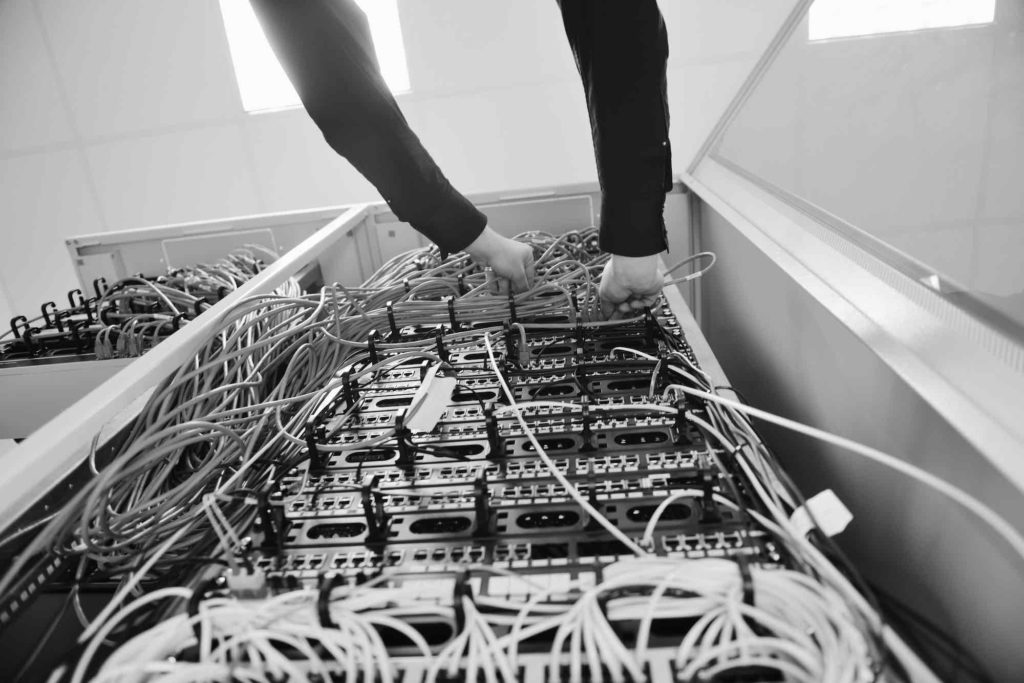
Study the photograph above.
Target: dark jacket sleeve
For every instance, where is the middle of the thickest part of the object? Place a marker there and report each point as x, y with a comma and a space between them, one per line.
326, 49
621, 50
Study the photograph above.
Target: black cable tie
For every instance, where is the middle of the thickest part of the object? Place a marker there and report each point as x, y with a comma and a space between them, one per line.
709, 511
462, 284
328, 583
511, 343
317, 458
650, 326
586, 432
222, 292
451, 314
481, 503
493, 434
405, 282
462, 590
349, 389
395, 333
681, 423
442, 352
196, 307
406, 457
373, 510
176, 321
371, 346
748, 580
512, 306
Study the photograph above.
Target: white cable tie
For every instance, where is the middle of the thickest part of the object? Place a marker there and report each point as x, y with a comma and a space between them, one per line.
827, 510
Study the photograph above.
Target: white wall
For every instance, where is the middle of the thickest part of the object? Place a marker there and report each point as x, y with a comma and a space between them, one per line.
916, 137
119, 114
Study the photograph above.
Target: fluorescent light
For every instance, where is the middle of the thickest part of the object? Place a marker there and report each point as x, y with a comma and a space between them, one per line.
844, 18
261, 80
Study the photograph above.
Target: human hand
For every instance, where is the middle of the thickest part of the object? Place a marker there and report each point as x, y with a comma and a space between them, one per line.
629, 284
510, 260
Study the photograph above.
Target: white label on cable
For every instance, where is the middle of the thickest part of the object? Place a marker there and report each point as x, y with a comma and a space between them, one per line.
828, 511
430, 401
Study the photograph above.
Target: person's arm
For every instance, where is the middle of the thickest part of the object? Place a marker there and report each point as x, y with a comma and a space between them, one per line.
326, 49
621, 50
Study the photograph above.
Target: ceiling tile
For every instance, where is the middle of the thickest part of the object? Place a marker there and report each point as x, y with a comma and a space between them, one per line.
137, 65
183, 176
32, 114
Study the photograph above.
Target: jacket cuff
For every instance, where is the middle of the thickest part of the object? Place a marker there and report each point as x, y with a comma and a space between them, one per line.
634, 226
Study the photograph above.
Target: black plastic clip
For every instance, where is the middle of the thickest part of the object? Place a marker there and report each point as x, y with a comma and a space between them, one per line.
328, 582
403, 437
395, 332
46, 309
512, 307
371, 346
497, 444
99, 285
317, 459
482, 506
16, 322
748, 581
373, 510
462, 590
88, 306
442, 352
452, 320
75, 298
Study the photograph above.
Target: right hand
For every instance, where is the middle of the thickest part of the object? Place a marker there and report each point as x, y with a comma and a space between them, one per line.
629, 284
509, 259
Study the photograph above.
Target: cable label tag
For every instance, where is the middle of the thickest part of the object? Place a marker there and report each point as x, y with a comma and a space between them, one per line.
430, 401
828, 511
